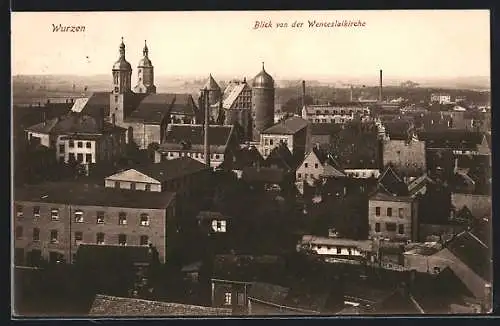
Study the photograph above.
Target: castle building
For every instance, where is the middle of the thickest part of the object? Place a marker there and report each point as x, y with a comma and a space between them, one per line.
214, 100
262, 103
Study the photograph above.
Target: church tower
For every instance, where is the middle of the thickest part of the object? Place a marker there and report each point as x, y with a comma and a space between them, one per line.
145, 74
122, 73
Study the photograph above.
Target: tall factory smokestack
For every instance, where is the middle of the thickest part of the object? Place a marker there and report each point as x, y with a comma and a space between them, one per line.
380, 87
303, 96
207, 124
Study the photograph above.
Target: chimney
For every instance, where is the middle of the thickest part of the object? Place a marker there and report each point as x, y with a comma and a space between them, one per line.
380, 87
113, 119
455, 168
44, 116
207, 125
303, 95
351, 93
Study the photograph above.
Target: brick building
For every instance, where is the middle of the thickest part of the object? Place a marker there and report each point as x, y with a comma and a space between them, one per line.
52, 219
237, 106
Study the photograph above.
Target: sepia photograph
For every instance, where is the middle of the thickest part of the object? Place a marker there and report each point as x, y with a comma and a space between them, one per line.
251, 164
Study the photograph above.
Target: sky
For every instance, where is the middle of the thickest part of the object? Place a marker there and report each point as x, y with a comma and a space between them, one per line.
431, 43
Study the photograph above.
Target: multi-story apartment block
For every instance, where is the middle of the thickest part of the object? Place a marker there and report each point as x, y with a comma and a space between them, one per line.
441, 98
335, 113
52, 219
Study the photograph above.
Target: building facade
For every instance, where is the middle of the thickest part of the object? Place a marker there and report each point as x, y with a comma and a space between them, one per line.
52, 220
393, 217
337, 113
293, 132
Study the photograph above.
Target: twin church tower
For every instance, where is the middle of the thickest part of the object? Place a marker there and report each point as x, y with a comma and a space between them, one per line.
122, 73
260, 112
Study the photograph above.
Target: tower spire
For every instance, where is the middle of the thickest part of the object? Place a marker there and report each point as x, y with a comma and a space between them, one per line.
122, 49
145, 50
263, 65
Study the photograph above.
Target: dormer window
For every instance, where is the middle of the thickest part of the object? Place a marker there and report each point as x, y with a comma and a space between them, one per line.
219, 226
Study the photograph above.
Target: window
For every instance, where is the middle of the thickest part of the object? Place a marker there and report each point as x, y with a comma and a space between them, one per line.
19, 232
147, 188
144, 241
36, 234
270, 142
377, 227
339, 251
401, 213
61, 148
227, 298
100, 238
100, 217
79, 157
217, 156
132, 185
54, 214
144, 219
79, 144
377, 211
401, 229
122, 218
170, 154
19, 211
117, 184
78, 216
88, 144
122, 239
71, 144
36, 211
53, 236
78, 237
315, 165
390, 227
389, 211
299, 175
219, 226
88, 158
71, 157
305, 165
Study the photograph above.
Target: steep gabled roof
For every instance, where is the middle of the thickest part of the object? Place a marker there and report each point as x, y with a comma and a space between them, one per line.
184, 104
282, 157
94, 104
152, 108
472, 252
194, 134
390, 182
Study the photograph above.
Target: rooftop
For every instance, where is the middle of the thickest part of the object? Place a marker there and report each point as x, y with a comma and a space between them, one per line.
75, 193
194, 134
288, 126
168, 169
108, 306
472, 252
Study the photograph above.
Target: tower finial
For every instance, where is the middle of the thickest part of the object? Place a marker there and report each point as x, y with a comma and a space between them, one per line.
262, 65
145, 50
122, 39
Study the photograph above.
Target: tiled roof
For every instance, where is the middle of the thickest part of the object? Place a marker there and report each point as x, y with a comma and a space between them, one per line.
74, 123
172, 169
75, 193
288, 126
107, 306
456, 139
152, 108
211, 84
472, 252
418, 183
398, 129
247, 156
184, 104
392, 183
79, 104
96, 101
194, 134
44, 127
231, 93
378, 195
282, 158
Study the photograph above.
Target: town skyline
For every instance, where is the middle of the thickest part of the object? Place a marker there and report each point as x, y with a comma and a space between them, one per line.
429, 40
